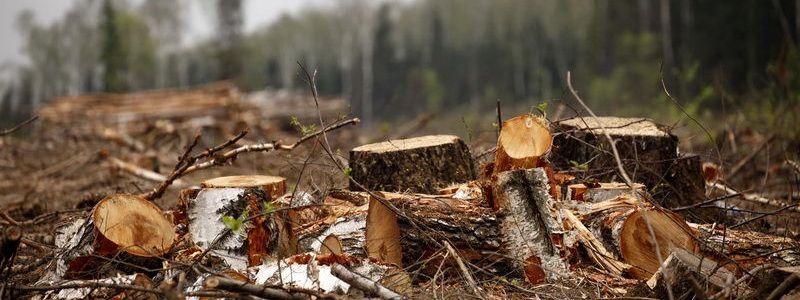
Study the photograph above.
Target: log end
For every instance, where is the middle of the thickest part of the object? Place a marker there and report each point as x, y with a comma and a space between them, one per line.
638, 247
134, 225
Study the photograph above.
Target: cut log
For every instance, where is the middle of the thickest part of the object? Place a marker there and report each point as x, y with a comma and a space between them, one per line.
473, 231
128, 228
523, 140
225, 203
624, 226
681, 267
646, 149
531, 227
422, 164
749, 249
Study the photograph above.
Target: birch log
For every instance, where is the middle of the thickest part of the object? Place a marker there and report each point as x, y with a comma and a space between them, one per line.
531, 227
232, 200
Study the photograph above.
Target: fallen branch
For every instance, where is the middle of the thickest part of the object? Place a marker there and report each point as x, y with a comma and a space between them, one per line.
364, 284
180, 168
18, 126
749, 157
139, 171
470, 280
751, 197
266, 147
236, 286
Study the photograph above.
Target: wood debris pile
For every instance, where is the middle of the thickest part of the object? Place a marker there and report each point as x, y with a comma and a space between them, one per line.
416, 211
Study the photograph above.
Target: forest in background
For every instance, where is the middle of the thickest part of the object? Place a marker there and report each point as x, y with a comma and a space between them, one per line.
395, 60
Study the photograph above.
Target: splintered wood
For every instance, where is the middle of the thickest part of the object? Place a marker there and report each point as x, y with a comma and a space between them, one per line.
423, 164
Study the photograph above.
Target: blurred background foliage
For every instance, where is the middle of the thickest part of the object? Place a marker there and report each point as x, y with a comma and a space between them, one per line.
732, 60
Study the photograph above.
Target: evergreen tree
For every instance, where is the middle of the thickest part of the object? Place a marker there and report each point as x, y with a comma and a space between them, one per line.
112, 57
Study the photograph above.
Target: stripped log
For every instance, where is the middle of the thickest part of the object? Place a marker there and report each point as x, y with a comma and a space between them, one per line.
637, 233
422, 164
124, 227
522, 141
473, 231
217, 215
531, 227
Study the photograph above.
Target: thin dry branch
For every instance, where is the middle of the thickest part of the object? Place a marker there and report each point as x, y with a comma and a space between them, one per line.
18, 126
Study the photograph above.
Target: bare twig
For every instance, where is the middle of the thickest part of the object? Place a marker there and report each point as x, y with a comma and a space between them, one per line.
464, 270
183, 163
750, 197
18, 126
749, 157
266, 147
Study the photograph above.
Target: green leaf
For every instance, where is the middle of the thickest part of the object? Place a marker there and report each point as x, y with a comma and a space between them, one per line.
347, 171
232, 224
269, 207
542, 107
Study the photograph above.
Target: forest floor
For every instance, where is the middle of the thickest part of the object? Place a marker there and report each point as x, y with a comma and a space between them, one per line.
52, 174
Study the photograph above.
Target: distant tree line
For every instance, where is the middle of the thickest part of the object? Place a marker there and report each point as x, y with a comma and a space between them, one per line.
397, 59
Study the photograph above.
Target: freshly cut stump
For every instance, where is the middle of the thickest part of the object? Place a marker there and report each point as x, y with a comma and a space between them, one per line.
622, 225
128, 228
646, 149
531, 226
422, 164
224, 203
131, 224
523, 141
473, 231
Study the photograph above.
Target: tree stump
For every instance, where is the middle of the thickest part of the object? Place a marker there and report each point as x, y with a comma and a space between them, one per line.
473, 231
126, 227
225, 203
422, 164
622, 225
646, 149
531, 227
523, 140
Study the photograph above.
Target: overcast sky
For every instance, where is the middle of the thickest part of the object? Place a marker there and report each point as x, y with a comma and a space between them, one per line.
199, 22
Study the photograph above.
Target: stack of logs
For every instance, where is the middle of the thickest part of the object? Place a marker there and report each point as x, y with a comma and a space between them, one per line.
412, 200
